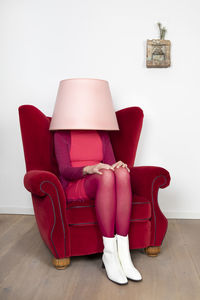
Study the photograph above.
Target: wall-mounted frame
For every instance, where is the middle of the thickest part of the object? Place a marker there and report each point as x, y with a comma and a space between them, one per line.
158, 53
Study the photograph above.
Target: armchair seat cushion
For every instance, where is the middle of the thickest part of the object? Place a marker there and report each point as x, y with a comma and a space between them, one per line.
141, 209
82, 212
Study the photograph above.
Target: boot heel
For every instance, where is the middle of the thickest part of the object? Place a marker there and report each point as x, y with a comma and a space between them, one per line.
103, 265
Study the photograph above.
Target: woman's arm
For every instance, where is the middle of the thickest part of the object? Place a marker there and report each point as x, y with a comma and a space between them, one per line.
63, 158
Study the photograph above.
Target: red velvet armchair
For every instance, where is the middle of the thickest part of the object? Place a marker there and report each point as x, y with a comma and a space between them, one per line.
71, 229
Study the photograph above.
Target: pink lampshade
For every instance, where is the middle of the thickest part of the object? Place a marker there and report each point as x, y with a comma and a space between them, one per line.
84, 104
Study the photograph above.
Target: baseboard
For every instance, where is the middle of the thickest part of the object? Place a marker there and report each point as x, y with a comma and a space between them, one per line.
16, 210
167, 214
182, 214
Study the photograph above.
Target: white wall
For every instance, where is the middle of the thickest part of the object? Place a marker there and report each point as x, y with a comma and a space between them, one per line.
45, 41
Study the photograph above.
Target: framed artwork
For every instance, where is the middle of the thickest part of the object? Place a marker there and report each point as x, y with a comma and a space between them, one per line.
158, 53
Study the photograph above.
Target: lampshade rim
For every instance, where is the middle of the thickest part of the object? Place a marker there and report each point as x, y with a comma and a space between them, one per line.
83, 79
98, 129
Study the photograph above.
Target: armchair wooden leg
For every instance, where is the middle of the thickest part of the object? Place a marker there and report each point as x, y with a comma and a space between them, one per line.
152, 251
61, 263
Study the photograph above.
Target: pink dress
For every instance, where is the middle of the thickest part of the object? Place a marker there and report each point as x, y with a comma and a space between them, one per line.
75, 149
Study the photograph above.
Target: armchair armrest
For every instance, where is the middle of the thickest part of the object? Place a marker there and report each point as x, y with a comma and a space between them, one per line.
49, 204
144, 179
34, 181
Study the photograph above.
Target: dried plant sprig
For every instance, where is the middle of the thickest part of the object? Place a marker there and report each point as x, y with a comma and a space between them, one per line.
162, 31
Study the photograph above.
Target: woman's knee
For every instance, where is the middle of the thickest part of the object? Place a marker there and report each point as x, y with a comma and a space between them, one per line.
107, 177
122, 174
95, 181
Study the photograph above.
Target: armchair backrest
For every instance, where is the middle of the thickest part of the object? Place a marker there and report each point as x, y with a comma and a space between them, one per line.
38, 140
125, 140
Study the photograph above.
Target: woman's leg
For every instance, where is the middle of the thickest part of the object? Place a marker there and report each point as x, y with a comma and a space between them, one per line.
102, 188
124, 200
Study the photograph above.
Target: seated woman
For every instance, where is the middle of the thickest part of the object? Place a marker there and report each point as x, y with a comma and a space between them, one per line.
88, 170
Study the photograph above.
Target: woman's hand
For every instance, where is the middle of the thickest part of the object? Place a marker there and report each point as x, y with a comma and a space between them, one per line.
120, 164
95, 168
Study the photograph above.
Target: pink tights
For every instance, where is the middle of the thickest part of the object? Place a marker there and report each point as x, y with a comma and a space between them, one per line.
113, 200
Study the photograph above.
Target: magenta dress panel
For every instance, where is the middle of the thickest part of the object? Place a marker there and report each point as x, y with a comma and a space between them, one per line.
75, 149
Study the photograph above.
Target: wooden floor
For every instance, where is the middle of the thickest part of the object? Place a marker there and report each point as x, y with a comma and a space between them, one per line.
26, 271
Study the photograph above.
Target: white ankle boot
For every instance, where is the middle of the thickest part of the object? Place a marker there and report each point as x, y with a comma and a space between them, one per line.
110, 261
125, 258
